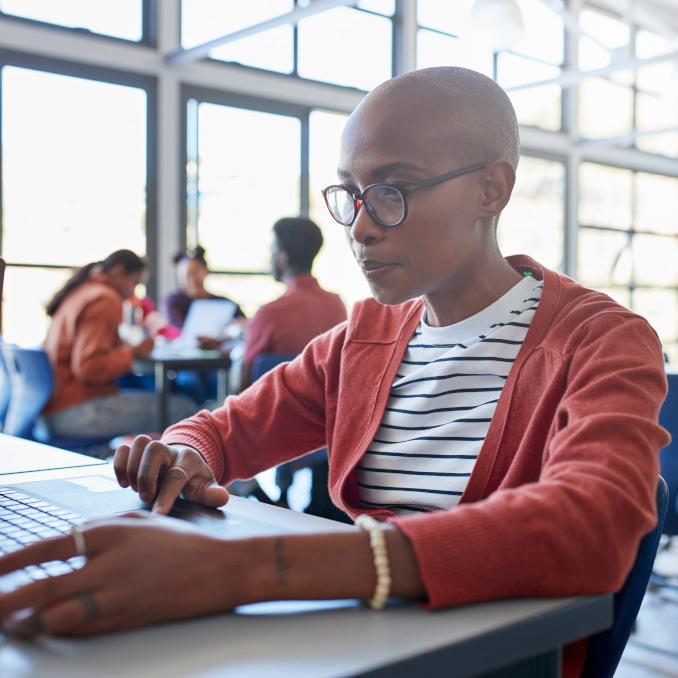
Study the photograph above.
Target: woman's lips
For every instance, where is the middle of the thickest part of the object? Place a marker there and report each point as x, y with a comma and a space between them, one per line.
376, 269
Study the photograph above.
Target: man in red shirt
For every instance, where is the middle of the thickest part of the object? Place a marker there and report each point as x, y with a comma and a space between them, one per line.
306, 310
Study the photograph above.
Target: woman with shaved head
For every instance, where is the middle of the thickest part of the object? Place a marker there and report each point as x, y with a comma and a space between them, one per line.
491, 424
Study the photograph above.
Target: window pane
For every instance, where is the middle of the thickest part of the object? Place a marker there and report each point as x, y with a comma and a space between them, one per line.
603, 258
656, 203
242, 190
537, 106
655, 258
605, 196
657, 107
205, 20
74, 168
385, 7
434, 49
345, 47
26, 293
532, 222
544, 33
605, 108
119, 18
335, 266
450, 17
250, 291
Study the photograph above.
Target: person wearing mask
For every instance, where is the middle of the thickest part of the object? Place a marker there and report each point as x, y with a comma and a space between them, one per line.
191, 271
306, 310
87, 355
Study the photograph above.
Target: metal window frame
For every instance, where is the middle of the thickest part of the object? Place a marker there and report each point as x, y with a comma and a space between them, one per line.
113, 77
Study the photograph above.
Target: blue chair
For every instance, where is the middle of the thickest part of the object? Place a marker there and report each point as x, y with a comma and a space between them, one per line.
5, 391
32, 381
668, 457
605, 649
267, 361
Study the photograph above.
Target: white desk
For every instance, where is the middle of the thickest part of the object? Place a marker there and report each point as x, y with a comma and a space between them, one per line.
335, 638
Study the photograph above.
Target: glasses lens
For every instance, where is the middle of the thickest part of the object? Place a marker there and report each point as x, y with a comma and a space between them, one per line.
385, 204
341, 205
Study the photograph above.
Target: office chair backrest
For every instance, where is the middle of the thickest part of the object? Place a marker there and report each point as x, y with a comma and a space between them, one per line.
267, 361
5, 389
668, 457
605, 649
31, 382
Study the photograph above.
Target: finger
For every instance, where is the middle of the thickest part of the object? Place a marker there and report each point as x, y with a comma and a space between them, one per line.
120, 465
208, 493
175, 481
55, 548
65, 617
46, 592
134, 459
154, 458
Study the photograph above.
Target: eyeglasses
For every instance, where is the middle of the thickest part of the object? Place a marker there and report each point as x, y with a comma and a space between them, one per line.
387, 204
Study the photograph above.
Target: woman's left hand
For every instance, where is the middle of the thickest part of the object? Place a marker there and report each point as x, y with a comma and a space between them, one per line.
140, 569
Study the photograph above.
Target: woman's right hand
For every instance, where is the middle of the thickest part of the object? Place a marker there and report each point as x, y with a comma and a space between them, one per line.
144, 349
160, 473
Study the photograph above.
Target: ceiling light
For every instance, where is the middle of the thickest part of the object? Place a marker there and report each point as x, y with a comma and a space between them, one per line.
498, 23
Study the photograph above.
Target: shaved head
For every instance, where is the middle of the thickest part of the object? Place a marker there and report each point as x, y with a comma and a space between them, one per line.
448, 113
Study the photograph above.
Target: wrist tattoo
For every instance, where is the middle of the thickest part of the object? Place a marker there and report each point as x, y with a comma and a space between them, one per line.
282, 565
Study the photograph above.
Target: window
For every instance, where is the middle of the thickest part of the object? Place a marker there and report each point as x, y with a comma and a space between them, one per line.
116, 18
348, 46
345, 46
628, 243
73, 183
447, 37
335, 266
245, 174
205, 20
533, 221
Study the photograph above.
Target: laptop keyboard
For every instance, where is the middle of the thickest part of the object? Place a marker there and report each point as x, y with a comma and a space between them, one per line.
25, 519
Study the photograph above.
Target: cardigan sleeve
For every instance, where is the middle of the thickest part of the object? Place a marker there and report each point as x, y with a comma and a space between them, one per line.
280, 417
575, 530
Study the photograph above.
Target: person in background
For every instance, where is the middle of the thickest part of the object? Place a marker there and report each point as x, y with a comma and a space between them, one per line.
191, 270
87, 355
306, 310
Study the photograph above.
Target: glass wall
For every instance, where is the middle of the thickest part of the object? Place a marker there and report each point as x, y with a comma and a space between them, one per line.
628, 243
245, 174
73, 184
448, 36
348, 46
116, 18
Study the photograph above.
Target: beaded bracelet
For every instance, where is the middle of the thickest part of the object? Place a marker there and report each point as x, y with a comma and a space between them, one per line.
378, 543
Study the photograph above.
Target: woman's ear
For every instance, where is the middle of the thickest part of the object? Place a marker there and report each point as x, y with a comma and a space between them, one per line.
500, 178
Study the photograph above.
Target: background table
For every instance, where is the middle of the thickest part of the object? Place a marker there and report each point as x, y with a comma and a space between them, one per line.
161, 363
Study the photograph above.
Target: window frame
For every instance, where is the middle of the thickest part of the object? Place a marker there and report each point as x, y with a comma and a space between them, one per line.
114, 77
247, 103
148, 26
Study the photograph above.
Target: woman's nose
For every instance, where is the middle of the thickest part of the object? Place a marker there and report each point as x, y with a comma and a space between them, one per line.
364, 229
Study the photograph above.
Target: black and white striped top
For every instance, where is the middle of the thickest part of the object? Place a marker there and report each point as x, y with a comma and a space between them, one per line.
441, 404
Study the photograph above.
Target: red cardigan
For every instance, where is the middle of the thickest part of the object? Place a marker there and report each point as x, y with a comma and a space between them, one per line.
564, 485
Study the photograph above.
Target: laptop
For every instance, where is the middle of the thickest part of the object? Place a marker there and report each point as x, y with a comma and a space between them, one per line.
35, 510
206, 318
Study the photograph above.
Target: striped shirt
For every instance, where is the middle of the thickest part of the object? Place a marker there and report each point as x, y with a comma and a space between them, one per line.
441, 405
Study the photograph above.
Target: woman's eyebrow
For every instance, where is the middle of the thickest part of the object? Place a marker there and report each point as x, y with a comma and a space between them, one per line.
382, 170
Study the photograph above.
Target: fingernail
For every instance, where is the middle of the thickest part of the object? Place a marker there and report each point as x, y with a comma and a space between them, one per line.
25, 627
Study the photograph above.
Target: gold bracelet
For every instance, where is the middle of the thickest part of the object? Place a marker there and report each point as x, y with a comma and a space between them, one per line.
378, 543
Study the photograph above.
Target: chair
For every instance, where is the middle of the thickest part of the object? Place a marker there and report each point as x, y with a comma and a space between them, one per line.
605, 649
5, 391
267, 361
668, 457
31, 382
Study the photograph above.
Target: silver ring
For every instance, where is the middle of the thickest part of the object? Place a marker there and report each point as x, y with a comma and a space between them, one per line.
79, 539
89, 606
177, 468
